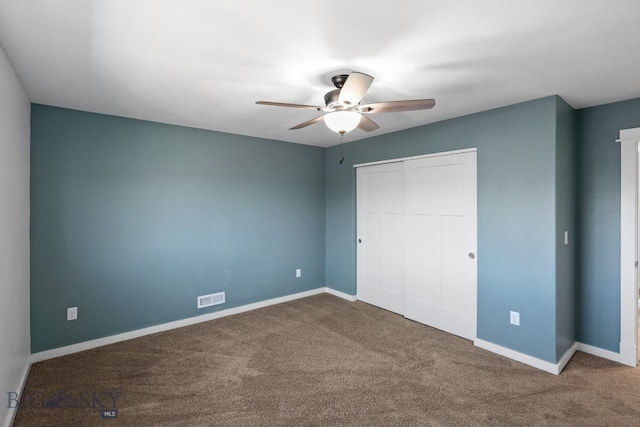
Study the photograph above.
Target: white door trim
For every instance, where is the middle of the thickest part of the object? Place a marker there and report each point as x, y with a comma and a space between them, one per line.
629, 144
422, 156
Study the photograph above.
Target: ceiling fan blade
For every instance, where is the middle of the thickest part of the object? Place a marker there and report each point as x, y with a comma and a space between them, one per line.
397, 106
354, 88
307, 123
284, 104
367, 125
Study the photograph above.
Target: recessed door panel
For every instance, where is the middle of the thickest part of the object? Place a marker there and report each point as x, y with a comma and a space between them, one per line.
438, 185
373, 250
424, 271
453, 259
392, 256
381, 187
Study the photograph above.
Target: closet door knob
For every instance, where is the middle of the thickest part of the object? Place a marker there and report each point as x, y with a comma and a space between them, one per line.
472, 255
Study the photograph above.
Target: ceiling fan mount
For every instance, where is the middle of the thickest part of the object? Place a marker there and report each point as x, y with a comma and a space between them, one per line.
338, 81
346, 98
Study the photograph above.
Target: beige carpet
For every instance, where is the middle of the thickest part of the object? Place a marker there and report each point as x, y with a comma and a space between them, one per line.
320, 361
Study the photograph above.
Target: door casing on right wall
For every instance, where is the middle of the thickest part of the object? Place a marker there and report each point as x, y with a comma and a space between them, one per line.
629, 185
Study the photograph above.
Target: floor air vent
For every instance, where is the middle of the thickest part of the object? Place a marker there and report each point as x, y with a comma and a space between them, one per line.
211, 299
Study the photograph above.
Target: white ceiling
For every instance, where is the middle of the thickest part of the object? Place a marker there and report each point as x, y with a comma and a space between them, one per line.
204, 63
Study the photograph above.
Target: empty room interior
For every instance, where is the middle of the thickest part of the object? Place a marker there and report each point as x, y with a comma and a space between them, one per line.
191, 235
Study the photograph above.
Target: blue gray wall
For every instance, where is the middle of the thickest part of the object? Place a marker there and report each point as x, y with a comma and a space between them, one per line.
132, 220
138, 218
598, 274
517, 237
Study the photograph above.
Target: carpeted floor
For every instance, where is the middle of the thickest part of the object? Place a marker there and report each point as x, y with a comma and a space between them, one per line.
320, 361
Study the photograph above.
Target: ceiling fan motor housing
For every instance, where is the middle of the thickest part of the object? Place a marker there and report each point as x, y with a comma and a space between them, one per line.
331, 99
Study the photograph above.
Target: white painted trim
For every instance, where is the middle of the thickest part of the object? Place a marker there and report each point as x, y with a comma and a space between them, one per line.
629, 142
11, 415
494, 348
422, 156
629, 353
566, 357
599, 352
87, 345
342, 295
552, 368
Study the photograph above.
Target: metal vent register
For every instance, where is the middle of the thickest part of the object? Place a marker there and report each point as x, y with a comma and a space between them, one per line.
211, 299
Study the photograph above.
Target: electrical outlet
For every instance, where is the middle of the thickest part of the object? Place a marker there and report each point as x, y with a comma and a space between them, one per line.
72, 313
514, 318
298, 272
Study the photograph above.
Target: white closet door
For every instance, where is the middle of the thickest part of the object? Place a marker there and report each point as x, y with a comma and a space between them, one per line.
380, 228
440, 242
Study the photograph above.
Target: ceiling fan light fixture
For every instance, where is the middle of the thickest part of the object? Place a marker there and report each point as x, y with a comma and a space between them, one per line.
342, 121
343, 105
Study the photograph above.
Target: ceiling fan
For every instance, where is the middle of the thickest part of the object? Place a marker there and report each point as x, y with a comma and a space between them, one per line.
342, 105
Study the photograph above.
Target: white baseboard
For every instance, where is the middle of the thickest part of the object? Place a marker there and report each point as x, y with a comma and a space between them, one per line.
342, 295
87, 345
552, 368
11, 412
566, 357
547, 366
597, 351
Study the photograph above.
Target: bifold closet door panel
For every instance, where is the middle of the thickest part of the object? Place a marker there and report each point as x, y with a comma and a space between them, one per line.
380, 233
440, 242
